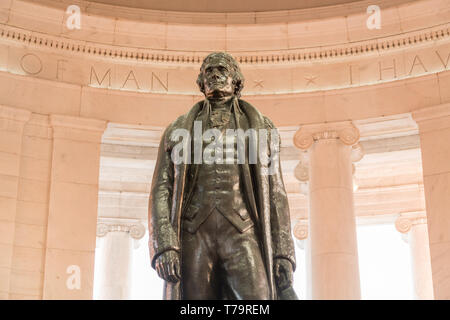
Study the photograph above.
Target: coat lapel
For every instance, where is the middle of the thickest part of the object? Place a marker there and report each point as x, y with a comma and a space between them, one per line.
243, 123
173, 291
256, 121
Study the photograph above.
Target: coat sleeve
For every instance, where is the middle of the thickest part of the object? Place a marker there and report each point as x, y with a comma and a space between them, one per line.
162, 236
282, 242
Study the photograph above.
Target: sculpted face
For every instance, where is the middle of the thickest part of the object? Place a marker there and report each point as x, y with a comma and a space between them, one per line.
218, 79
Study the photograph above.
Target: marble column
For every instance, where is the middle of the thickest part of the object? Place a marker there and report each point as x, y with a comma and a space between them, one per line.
302, 242
434, 131
334, 255
415, 228
117, 237
72, 219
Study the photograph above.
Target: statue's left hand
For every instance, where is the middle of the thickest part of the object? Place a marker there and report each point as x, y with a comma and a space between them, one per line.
283, 272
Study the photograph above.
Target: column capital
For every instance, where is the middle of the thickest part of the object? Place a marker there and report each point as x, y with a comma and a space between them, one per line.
301, 171
430, 113
77, 123
403, 224
301, 229
308, 134
77, 128
133, 227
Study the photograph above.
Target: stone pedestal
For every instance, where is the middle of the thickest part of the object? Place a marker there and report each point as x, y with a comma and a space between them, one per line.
434, 130
334, 256
117, 241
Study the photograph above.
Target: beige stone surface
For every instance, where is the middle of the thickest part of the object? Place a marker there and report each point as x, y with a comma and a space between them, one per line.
93, 28
328, 173
444, 83
32, 213
434, 134
6, 255
72, 216
35, 169
229, 7
254, 37
28, 259
415, 15
16, 296
9, 185
437, 188
335, 276
33, 190
317, 32
6, 232
26, 282
71, 227
115, 106
37, 147
29, 235
421, 261
440, 255
56, 275
140, 34
4, 279
390, 24
70, 163
10, 142
32, 94
8, 211
332, 234
26, 14
197, 38
436, 151
4, 10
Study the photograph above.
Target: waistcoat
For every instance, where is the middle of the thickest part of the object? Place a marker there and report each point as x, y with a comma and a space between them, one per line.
219, 185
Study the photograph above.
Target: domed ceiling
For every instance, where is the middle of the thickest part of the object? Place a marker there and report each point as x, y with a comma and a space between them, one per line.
224, 5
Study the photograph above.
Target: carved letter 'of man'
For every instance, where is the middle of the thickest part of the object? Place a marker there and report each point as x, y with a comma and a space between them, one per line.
219, 219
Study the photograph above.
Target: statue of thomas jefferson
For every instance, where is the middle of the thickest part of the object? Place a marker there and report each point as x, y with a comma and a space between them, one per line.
220, 229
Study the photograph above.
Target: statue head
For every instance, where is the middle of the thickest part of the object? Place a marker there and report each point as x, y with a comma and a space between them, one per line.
220, 76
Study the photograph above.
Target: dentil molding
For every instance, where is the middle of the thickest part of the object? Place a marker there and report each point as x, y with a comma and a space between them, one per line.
404, 41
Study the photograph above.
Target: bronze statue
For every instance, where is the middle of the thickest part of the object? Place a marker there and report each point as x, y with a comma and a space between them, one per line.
220, 229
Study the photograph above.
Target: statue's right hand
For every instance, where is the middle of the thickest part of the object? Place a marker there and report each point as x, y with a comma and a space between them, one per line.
168, 266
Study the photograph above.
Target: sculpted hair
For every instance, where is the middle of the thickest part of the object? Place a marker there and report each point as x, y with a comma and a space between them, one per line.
238, 78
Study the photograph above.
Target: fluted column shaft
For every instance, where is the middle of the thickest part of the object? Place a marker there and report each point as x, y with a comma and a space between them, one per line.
334, 256
434, 131
117, 258
417, 231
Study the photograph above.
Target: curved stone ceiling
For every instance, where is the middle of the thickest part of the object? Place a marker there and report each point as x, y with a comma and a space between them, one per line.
223, 6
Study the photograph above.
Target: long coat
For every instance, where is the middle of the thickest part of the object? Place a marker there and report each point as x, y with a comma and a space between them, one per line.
266, 197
